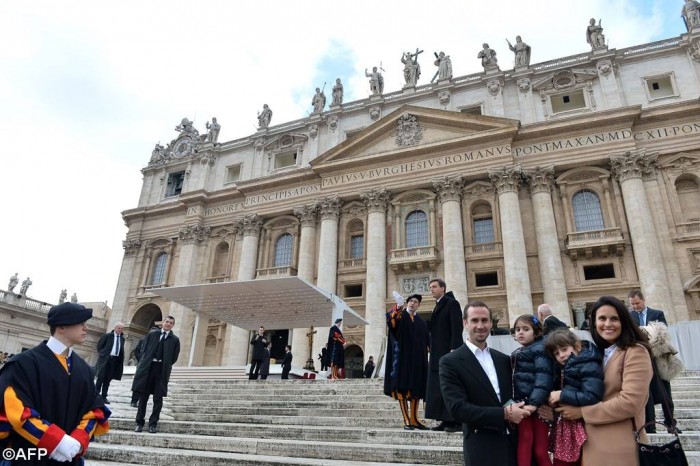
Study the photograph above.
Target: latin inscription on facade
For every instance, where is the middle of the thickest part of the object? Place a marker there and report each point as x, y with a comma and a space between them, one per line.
222, 209
281, 195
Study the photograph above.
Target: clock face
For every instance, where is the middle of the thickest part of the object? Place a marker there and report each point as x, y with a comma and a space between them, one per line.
183, 147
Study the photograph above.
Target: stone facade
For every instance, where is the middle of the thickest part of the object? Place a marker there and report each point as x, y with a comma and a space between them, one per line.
557, 182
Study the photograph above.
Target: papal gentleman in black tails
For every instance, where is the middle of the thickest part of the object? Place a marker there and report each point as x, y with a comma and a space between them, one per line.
110, 360
406, 370
445, 335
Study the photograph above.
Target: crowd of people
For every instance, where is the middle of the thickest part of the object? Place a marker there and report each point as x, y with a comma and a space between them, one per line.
556, 400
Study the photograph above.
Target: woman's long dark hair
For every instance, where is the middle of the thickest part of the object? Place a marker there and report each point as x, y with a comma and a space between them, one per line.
630, 333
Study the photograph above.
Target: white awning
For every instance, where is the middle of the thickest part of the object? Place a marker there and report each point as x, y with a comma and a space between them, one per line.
276, 303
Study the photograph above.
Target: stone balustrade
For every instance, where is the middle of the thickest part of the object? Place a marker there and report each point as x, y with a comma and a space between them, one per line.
484, 248
286, 271
688, 228
419, 258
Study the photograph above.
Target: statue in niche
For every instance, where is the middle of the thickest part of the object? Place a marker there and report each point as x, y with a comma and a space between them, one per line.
376, 81
594, 34
337, 93
14, 280
488, 58
411, 68
444, 64
25, 286
62, 296
74, 298
691, 14
264, 117
214, 128
318, 101
522, 52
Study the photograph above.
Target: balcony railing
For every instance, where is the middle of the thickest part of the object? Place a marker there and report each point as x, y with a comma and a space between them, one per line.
420, 258
484, 248
595, 243
688, 228
42, 307
351, 263
219, 279
286, 271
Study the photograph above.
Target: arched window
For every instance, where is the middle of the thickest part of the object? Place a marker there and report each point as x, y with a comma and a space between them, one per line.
587, 212
219, 267
483, 224
417, 229
283, 251
159, 269
688, 194
356, 239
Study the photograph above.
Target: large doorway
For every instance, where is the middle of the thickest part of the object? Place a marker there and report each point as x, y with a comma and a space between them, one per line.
354, 362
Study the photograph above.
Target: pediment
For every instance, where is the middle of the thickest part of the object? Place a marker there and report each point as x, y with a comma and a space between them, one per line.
412, 129
681, 161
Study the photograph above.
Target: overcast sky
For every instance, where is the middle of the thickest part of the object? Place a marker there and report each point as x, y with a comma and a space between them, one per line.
87, 88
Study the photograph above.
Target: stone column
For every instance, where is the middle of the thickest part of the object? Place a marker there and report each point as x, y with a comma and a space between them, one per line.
506, 181
250, 225
190, 237
329, 212
629, 168
125, 285
305, 270
376, 201
541, 180
449, 191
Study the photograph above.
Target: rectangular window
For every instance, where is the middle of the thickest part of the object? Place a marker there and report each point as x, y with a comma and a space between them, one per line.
486, 279
175, 182
352, 291
472, 110
483, 230
598, 272
233, 173
572, 100
659, 87
357, 246
285, 160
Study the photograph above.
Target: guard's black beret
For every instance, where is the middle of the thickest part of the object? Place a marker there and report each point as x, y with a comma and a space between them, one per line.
68, 314
417, 296
337, 321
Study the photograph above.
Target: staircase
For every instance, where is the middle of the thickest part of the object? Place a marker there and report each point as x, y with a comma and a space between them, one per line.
301, 422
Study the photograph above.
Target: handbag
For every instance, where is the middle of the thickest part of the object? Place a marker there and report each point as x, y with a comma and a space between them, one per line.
669, 454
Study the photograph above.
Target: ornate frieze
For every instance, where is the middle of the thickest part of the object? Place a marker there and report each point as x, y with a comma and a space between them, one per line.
540, 179
194, 233
131, 246
524, 85
307, 214
376, 200
444, 97
633, 164
506, 179
329, 208
411, 285
495, 87
313, 131
250, 224
408, 132
448, 188
333, 123
375, 113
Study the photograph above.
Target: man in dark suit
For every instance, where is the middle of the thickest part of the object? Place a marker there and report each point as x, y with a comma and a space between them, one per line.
476, 386
549, 322
445, 335
110, 359
160, 351
369, 368
642, 315
258, 343
287, 362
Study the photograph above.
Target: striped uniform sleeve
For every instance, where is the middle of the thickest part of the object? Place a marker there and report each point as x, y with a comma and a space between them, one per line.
93, 423
28, 423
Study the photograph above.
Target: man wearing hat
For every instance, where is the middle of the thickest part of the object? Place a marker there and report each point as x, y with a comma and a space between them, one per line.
406, 370
160, 351
49, 396
336, 353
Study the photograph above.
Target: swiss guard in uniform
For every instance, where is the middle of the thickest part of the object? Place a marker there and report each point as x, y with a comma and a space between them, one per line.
336, 353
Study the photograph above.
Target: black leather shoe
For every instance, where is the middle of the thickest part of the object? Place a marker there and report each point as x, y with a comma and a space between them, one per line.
134, 405
407, 427
439, 427
453, 428
104, 398
420, 426
138, 429
151, 429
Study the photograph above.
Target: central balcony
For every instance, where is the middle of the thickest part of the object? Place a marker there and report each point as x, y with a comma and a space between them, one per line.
414, 259
274, 272
595, 243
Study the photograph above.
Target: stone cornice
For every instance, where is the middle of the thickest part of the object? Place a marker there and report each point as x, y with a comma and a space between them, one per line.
506, 179
329, 208
449, 188
307, 215
540, 179
633, 164
376, 200
250, 225
194, 233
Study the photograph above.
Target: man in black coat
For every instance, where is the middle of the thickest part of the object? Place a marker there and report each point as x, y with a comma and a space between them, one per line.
476, 386
369, 368
549, 322
110, 361
446, 335
258, 343
160, 352
287, 362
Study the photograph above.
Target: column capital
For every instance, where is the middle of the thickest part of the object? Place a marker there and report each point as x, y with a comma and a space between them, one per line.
250, 224
633, 164
131, 246
506, 179
307, 214
195, 233
376, 200
449, 188
540, 179
329, 208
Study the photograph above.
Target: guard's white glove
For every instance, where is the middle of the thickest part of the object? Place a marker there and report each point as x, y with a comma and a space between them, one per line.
66, 449
398, 298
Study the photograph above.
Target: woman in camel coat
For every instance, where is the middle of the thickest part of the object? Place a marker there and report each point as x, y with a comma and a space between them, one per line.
627, 373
